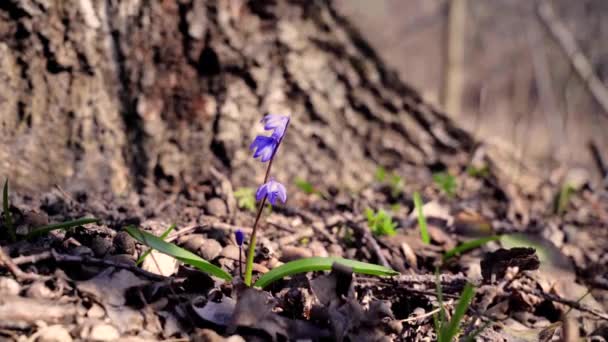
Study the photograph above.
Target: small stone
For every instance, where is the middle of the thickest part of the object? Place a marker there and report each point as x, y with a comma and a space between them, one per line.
350, 253
210, 249
9, 287
335, 250
39, 290
104, 332
207, 335
194, 243
273, 262
230, 252
54, 333
260, 268
216, 207
96, 311
124, 243
100, 246
318, 249
82, 251
290, 253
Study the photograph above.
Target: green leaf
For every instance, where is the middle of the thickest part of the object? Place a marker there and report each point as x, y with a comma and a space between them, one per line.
8, 219
396, 185
478, 172
424, 232
162, 236
380, 174
178, 253
563, 199
63, 225
380, 223
469, 245
321, 264
245, 198
451, 330
305, 186
446, 183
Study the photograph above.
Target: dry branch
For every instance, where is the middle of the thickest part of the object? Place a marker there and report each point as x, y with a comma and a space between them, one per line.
579, 61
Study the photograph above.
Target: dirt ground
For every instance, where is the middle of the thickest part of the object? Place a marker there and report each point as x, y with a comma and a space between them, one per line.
83, 284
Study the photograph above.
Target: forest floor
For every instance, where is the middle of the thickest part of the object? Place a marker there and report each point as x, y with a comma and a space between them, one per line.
84, 284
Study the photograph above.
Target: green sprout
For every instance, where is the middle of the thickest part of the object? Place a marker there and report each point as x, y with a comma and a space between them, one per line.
395, 181
563, 198
245, 198
380, 223
446, 183
397, 184
478, 172
305, 186
424, 232
447, 331
380, 174
469, 245
8, 221
62, 225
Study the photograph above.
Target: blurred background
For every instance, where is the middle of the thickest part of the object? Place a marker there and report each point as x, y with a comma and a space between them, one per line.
503, 69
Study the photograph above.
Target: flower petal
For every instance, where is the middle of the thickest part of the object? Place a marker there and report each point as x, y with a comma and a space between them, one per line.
262, 191
263, 147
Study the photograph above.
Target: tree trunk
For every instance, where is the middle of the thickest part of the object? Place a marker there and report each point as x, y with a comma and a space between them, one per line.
120, 94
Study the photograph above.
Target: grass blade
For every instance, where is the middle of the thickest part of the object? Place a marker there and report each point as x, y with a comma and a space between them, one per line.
439, 291
162, 236
469, 245
8, 220
178, 253
464, 302
63, 225
424, 232
321, 264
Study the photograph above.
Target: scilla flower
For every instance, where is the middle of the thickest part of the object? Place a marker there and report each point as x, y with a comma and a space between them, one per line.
264, 147
273, 190
240, 237
276, 123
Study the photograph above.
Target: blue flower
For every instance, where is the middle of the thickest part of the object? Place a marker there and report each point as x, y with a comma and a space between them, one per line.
239, 237
277, 123
273, 190
264, 147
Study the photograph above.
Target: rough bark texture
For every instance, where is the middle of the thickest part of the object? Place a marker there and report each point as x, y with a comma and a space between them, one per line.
120, 94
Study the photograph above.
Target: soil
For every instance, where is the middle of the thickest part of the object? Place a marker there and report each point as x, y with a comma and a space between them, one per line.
85, 285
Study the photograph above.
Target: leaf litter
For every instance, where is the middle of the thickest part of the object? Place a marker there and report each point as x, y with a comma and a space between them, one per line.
526, 281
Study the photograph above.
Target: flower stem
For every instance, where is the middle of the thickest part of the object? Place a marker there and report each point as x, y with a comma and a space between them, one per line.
252, 241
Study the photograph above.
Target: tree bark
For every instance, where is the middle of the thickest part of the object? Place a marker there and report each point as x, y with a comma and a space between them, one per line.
115, 95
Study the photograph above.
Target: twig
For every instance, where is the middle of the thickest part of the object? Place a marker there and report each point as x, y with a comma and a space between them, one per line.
599, 161
212, 223
289, 239
579, 61
12, 266
425, 315
15, 270
309, 218
103, 262
571, 303
370, 241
